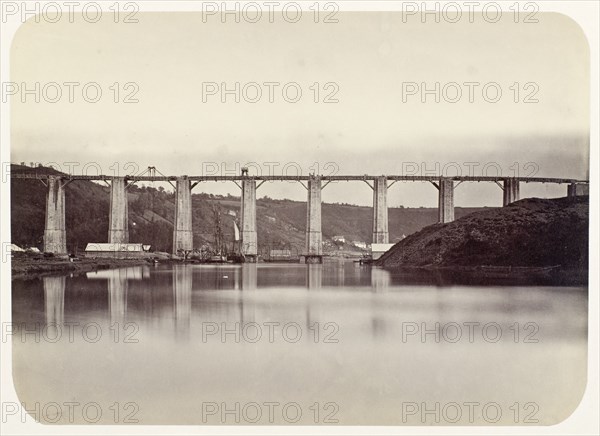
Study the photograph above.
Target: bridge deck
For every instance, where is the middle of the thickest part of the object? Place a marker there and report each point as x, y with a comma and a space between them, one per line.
304, 178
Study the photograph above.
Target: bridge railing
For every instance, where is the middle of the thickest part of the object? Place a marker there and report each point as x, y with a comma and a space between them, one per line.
346, 178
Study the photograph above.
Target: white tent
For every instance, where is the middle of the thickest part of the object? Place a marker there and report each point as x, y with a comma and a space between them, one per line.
236, 232
14, 247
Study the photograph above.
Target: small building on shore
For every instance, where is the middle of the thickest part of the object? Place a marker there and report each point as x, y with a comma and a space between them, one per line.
118, 251
377, 250
280, 255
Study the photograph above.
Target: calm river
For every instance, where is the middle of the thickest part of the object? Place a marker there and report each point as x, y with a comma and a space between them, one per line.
331, 344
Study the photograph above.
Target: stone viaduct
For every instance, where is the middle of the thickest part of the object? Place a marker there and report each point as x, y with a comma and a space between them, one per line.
55, 232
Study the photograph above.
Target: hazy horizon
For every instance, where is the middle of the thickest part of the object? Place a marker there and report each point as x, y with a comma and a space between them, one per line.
368, 56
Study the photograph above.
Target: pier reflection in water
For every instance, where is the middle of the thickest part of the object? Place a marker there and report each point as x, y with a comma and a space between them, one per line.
174, 337
314, 276
182, 298
54, 299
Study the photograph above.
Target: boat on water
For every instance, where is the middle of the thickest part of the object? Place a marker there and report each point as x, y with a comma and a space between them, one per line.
219, 258
222, 251
366, 259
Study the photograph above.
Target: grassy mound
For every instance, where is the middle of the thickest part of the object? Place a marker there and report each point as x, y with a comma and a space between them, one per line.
532, 232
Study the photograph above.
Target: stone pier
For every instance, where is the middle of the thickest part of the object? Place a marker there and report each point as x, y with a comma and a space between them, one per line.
118, 229
183, 239
55, 235
248, 221
314, 239
511, 191
578, 189
446, 201
380, 211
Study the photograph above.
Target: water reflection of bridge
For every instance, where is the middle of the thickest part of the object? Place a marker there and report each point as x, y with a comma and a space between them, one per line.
182, 297
54, 303
117, 286
138, 294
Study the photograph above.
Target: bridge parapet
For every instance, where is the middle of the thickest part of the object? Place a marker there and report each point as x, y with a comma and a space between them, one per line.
325, 178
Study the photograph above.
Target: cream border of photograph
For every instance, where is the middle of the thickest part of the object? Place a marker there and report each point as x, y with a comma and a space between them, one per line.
584, 419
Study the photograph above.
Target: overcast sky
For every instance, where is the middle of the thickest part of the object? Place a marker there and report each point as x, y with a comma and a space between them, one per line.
371, 130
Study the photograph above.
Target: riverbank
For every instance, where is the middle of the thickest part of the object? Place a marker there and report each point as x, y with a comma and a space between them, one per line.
530, 236
29, 267
489, 276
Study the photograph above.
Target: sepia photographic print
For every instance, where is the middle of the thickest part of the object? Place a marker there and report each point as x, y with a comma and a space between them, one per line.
304, 217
